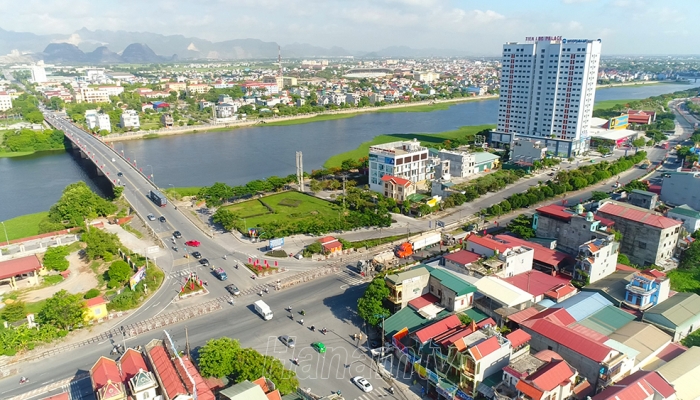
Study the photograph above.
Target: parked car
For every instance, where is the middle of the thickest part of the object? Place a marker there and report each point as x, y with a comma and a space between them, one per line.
151, 217
220, 273
193, 243
288, 341
197, 255
362, 383
234, 291
177, 235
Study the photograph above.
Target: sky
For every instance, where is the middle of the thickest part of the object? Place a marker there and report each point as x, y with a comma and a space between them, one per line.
476, 27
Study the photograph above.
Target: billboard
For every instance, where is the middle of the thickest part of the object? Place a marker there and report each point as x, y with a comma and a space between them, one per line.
137, 277
276, 243
620, 122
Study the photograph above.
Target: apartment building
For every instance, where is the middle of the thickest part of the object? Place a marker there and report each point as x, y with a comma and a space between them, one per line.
547, 91
426, 77
685, 214
90, 95
197, 88
569, 227
5, 101
112, 90
647, 237
130, 120
406, 159
461, 163
175, 86
38, 74
596, 259
98, 121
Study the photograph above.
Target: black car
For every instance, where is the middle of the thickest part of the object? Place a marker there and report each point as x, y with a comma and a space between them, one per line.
161, 219
177, 235
204, 262
120, 174
197, 255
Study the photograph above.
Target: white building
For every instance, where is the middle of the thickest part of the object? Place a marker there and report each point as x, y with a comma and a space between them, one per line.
408, 160
690, 217
97, 121
514, 260
130, 119
547, 91
112, 90
426, 77
225, 110
38, 74
90, 95
527, 150
5, 101
596, 259
461, 164
95, 75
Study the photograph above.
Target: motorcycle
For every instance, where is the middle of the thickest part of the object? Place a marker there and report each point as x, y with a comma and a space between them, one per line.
175, 248
236, 266
313, 328
23, 380
224, 256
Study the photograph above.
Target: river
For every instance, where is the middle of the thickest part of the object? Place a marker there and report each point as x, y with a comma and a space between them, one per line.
32, 184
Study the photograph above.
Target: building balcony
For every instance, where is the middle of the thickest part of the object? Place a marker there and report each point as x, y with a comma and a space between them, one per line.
642, 307
639, 290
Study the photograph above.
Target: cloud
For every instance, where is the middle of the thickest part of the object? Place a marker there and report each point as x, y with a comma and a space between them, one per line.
577, 1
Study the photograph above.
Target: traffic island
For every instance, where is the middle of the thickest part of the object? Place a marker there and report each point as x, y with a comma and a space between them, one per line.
261, 270
192, 287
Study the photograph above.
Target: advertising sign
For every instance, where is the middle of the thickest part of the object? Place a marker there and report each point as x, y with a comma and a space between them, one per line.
388, 160
137, 277
276, 243
620, 122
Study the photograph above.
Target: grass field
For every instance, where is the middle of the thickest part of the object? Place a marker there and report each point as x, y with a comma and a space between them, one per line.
23, 226
183, 191
610, 103
363, 149
288, 207
10, 154
309, 120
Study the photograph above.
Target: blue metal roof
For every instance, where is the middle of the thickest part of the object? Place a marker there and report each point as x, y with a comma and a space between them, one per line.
583, 304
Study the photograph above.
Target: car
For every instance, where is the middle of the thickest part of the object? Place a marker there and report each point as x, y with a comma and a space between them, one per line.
197, 255
120, 174
177, 235
193, 243
318, 346
288, 341
161, 219
234, 291
204, 262
220, 273
362, 383
151, 217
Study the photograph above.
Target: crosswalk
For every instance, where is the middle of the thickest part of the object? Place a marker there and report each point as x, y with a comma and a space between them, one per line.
350, 278
373, 395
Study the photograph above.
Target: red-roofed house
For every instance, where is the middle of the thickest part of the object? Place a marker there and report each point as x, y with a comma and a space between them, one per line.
96, 308
568, 227
397, 188
513, 258
330, 245
545, 259
647, 237
265, 386
642, 385
554, 380
20, 272
422, 336
541, 285
461, 259
169, 379
107, 380
518, 338
599, 363
138, 378
641, 117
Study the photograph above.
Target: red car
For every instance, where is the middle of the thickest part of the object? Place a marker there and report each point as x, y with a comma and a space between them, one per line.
193, 243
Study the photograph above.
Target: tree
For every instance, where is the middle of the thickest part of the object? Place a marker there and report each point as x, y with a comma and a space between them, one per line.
623, 259
691, 257
639, 142
14, 311
495, 210
217, 356
603, 150
315, 186
55, 258
522, 226
598, 196
251, 365
683, 152
63, 310
216, 194
119, 272
370, 306
464, 319
225, 217
78, 202
100, 244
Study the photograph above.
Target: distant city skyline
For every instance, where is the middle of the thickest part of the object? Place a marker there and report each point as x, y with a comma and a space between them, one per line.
477, 28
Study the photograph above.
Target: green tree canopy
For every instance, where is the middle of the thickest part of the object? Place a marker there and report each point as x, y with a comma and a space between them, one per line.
14, 311
216, 358
79, 202
216, 194
100, 244
63, 310
251, 365
119, 272
522, 226
370, 306
55, 258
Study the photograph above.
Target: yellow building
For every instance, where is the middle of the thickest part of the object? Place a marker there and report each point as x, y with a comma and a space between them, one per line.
96, 308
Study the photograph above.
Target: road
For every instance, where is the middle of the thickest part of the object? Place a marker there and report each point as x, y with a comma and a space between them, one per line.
328, 301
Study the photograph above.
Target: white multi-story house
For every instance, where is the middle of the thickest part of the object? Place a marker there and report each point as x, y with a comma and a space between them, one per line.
547, 91
112, 90
426, 77
5, 101
596, 259
98, 121
512, 260
406, 159
130, 119
90, 95
352, 98
461, 163
337, 98
225, 110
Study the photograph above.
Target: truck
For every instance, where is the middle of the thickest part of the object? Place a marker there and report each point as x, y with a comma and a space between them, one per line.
404, 250
665, 145
263, 309
158, 198
407, 249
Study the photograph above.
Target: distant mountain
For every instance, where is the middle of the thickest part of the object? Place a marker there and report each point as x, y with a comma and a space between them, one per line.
102, 55
300, 50
64, 53
139, 53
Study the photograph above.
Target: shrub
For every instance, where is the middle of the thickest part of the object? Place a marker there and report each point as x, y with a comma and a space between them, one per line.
91, 294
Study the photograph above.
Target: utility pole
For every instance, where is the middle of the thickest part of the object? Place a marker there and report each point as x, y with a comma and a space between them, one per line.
300, 171
187, 344
344, 194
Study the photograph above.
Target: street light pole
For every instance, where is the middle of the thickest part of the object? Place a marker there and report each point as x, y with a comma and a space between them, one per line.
7, 238
149, 165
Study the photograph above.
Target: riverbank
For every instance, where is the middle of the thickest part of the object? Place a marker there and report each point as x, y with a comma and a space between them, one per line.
637, 83
425, 106
10, 154
363, 149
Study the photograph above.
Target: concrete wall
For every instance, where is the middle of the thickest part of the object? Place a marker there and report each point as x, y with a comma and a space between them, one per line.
528, 150
517, 261
414, 288
644, 244
642, 200
569, 236
681, 188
